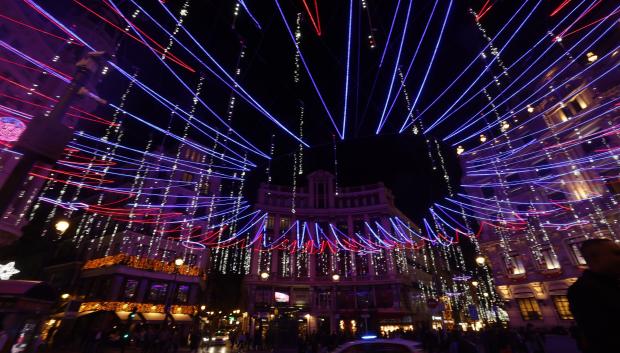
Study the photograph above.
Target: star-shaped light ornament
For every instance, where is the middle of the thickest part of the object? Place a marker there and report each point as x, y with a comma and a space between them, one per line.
8, 270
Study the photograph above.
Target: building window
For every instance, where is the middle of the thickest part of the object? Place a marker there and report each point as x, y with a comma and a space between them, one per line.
130, 289
183, 293
562, 307
515, 265
157, 292
613, 186
384, 296
549, 259
361, 264
363, 297
285, 222
188, 177
320, 196
322, 265
263, 296
345, 298
191, 260
529, 309
270, 221
575, 249
167, 255
324, 299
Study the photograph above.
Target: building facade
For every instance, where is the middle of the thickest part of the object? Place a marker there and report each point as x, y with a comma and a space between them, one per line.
33, 50
324, 289
564, 195
148, 269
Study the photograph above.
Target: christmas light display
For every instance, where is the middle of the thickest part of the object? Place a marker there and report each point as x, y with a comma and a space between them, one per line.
540, 122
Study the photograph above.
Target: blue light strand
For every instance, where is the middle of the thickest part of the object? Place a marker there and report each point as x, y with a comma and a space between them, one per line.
474, 60
348, 71
235, 86
187, 87
528, 99
415, 55
383, 118
140, 84
387, 41
303, 60
443, 116
524, 55
460, 129
428, 70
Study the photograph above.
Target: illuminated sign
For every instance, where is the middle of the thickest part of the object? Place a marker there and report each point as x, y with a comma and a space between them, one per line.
281, 297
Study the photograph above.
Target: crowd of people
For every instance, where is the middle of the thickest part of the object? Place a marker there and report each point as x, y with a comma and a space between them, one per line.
494, 339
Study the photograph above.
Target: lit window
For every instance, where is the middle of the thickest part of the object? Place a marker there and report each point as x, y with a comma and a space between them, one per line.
130, 289
515, 265
284, 223
529, 309
157, 292
576, 251
549, 260
270, 221
562, 307
182, 293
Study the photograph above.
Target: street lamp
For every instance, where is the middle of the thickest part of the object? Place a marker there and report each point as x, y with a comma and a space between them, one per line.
264, 275
65, 296
179, 262
460, 150
474, 283
336, 277
480, 260
61, 226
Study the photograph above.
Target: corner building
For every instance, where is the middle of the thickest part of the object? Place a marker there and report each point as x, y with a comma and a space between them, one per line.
534, 266
326, 290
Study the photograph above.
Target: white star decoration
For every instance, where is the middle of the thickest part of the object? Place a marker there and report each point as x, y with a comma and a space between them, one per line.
8, 270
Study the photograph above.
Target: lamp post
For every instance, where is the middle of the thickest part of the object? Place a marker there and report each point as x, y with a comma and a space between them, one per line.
45, 138
178, 262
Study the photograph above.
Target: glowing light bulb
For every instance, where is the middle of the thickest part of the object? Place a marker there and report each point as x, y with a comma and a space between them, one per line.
591, 57
61, 226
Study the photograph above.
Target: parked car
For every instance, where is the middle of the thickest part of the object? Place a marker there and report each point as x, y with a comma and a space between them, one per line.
372, 345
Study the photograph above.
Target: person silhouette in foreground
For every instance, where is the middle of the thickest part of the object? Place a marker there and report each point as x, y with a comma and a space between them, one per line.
595, 297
